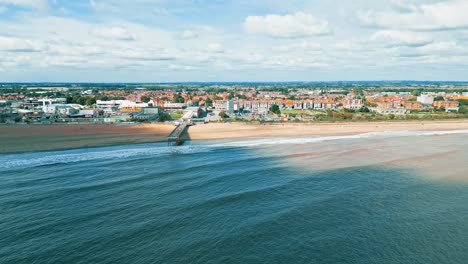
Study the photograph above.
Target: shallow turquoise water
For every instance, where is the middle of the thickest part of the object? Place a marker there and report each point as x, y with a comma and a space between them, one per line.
228, 202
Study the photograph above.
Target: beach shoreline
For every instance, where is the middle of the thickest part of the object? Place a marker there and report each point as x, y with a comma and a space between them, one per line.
27, 138
213, 131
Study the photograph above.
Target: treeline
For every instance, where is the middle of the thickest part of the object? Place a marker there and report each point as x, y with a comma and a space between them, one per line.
90, 100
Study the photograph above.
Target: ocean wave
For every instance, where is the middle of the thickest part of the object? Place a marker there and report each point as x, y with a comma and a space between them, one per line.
28, 160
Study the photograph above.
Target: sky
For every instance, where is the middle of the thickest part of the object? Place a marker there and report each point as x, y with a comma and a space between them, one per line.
232, 40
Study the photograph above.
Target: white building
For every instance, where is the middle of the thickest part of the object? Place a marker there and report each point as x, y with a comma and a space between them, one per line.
50, 101
353, 104
425, 99
393, 111
109, 104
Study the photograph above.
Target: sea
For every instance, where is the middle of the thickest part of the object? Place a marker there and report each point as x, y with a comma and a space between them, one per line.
388, 197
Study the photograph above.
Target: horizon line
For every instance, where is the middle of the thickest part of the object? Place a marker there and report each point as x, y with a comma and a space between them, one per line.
241, 82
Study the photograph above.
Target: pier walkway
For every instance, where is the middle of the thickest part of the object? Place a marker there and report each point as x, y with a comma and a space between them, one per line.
174, 137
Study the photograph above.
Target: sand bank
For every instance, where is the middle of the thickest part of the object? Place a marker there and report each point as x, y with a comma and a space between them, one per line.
21, 138
239, 130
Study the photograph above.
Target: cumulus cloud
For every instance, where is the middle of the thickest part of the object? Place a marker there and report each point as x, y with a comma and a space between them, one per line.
189, 34
301, 46
299, 24
13, 44
440, 47
117, 33
437, 16
215, 47
401, 38
110, 37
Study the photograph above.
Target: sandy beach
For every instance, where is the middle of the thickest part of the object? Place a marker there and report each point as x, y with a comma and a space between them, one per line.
22, 138
239, 130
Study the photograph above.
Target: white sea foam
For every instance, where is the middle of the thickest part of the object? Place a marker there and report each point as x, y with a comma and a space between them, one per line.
316, 139
27, 160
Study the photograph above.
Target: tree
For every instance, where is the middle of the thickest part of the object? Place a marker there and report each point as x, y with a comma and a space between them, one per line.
178, 99
275, 109
163, 117
90, 101
463, 102
208, 102
416, 92
223, 114
463, 110
439, 98
145, 99
364, 109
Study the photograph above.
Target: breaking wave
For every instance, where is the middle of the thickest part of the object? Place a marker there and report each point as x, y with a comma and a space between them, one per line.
34, 159
317, 139
27, 160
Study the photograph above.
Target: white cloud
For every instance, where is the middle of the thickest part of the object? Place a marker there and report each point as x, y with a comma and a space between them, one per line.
286, 26
178, 67
440, 47
163, 44
438, 16
301, 46
20, 45
215, 47
34, 4
400, 38
189, 34
118, 33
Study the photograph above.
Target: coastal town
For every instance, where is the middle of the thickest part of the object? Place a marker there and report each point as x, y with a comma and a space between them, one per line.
195, 103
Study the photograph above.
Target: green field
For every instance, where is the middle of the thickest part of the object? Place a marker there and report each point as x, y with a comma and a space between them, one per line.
176, 115
295, 112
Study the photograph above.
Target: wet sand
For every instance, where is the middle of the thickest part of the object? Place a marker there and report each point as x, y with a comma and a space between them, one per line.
22, 138
240, 130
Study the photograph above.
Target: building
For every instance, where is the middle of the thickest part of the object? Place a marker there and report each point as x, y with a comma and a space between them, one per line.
450, 106
391, 111
353, 104
109, 104
389, 108
413, 105
88, 113
425, 99
220, 105
169, 105
230, 106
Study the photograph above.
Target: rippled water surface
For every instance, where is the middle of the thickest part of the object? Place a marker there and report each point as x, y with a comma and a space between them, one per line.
373, 198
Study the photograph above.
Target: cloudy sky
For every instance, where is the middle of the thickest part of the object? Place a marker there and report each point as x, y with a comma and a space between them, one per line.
233, 40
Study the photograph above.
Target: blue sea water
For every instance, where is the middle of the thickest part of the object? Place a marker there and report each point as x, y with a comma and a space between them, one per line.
348, 199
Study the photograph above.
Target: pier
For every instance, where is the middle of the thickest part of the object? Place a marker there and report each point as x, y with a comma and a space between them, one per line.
174, 137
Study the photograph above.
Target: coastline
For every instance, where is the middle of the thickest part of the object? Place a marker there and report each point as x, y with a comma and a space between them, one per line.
213, 131
27, 138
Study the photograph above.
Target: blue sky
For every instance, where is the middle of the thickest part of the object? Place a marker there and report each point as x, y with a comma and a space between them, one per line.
201, 40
